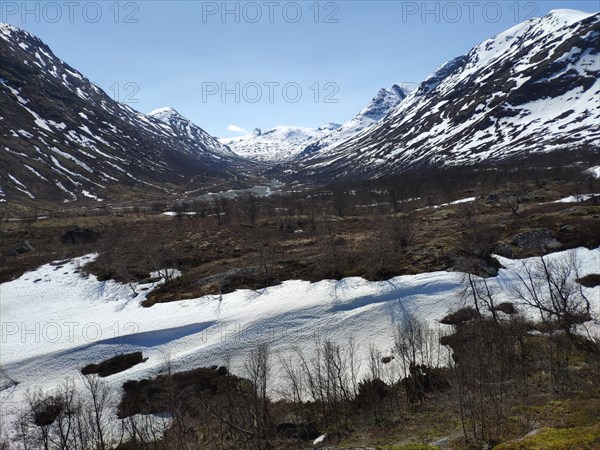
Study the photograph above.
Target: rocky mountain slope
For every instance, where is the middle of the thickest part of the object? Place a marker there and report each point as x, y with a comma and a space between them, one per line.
532, 89
64, 139
380, 106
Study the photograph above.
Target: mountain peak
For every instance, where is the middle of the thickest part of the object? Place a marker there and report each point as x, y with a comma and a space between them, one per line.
400, 92
8, 30
23, 38
165, 113
559, 18
385, 100
569, 14
436, 78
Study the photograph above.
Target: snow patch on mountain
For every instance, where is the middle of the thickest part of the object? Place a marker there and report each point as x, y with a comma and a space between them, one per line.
184, 127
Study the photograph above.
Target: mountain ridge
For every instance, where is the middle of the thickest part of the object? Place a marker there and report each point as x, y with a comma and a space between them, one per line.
379, 106
65, 140
277, 144
530, 89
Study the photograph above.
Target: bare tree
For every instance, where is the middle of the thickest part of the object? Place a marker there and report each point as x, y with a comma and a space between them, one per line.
50, 419
513, 202
381, 253
99, 401
161, 257
70, 408
266, 256
488, 359
294, 387
37, 420
417, 346
480, 293
374, 393
375, 363
334, 257
258, 369
222, 209
250, 207
551, 288
340, 201
403, 229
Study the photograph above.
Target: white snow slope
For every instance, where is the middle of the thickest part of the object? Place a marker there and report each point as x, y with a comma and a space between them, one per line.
55, 320
281, 143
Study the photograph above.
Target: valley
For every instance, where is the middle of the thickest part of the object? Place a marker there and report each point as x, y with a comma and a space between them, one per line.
424, 274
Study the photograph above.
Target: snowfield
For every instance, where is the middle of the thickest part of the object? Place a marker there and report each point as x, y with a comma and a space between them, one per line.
56, 319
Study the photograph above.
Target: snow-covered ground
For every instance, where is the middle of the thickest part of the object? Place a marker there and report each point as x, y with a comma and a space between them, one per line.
595, 171
576, 198
56, 319
455, 202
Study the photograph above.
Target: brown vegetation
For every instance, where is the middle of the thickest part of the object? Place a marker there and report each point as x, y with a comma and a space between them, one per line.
376, 229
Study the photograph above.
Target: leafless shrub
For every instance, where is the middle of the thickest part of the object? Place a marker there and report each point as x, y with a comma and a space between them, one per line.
550, 287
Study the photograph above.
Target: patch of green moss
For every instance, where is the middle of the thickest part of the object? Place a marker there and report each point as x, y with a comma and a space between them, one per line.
577, 438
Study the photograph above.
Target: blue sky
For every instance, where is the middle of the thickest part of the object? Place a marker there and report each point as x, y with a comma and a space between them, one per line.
295, 63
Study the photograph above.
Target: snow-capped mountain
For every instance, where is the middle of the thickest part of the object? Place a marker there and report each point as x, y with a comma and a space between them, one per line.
532, 89
384, 102
278, 144
285, 143
64, 139
184, 128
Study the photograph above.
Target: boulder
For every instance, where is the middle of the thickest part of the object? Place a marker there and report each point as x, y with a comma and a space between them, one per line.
492, 198
540, 239
80, 236
23, 247
505, 250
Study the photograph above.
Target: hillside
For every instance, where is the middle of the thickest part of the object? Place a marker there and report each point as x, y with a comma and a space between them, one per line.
531, 90
65, 140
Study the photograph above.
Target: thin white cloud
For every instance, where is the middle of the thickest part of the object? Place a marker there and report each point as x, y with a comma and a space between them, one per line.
236, 129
